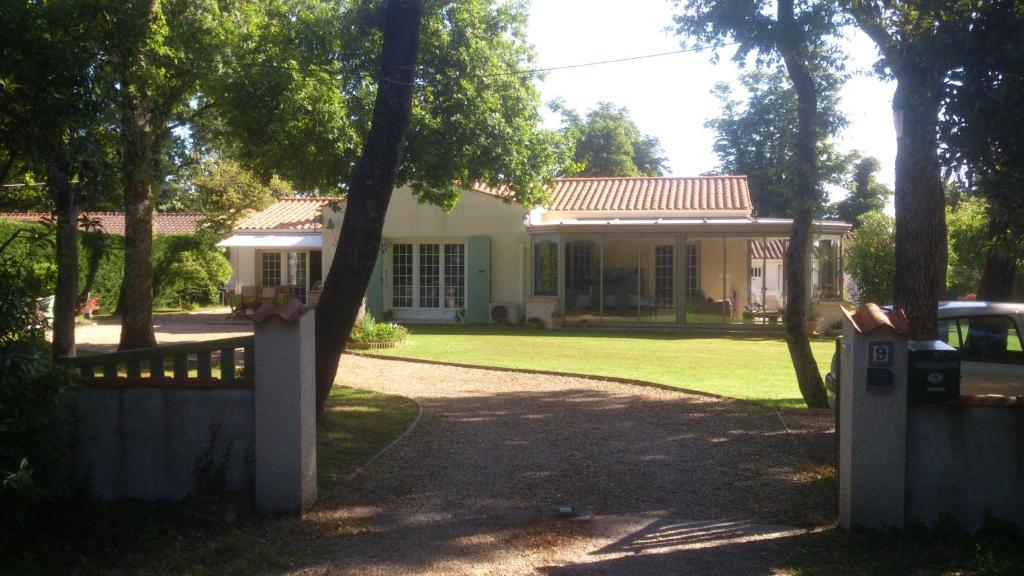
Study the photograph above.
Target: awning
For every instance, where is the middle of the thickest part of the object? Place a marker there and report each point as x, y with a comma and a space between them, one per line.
296, 241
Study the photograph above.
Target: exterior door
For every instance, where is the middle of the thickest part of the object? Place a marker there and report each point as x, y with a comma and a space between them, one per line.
428, 280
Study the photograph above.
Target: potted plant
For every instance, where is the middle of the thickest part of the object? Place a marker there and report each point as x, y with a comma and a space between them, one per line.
556, 319
813, 316
460, 315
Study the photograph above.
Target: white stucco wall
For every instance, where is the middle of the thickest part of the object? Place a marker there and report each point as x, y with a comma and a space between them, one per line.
243, 263
476, 214
736, 272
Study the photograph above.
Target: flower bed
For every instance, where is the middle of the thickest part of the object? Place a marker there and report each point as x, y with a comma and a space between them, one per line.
369, 334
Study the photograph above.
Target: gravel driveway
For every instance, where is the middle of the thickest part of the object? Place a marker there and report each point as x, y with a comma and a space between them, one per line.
669, 482
208, 324
471, 489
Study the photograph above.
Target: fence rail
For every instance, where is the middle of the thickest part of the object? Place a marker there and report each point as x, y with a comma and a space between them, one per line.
207, 364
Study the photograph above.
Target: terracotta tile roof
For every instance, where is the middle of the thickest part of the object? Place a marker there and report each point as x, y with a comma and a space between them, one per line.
113, 222
869, 317
288, 214
700, 194
773, 250
776, 249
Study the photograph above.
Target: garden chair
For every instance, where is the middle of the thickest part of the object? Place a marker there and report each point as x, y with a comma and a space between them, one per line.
268, 294
282, 294
241, 303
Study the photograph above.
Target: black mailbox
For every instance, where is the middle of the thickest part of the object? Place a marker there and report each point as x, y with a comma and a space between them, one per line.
933, 372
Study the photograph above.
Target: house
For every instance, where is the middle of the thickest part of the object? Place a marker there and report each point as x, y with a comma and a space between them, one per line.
613, 251
280, 246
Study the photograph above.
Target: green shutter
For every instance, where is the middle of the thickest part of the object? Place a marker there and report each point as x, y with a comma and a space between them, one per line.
478, 297
375, 289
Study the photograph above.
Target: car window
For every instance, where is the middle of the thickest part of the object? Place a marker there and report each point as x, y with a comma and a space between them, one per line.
949, 332
986, 339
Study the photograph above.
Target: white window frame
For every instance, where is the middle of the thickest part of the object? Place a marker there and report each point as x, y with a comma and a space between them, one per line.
442, 284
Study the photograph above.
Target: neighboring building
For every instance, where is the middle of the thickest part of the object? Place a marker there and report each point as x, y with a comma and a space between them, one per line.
281, 245
113, 222
665, 251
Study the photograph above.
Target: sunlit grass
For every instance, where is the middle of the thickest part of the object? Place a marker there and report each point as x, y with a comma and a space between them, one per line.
756, 368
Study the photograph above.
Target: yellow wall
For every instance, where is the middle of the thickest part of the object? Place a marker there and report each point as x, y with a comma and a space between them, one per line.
476, 214
735, 270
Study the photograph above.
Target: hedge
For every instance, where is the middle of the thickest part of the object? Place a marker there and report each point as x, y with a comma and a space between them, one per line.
187, 269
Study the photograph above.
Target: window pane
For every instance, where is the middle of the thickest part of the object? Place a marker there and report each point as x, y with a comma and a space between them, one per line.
949, 333
401, 275
664, 277
620, 292
545, 268
990, 339
582, 268
454, 275
297, 274
270, 268
430, 276
692, 274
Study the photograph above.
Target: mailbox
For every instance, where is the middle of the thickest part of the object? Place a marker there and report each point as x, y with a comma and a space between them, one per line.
933, 372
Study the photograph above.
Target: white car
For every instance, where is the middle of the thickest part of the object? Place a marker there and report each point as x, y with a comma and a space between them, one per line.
989, 338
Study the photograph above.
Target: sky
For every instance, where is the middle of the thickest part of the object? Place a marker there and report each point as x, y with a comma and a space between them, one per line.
670, 96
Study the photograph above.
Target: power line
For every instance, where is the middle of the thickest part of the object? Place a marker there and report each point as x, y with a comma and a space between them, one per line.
600, 62
295, 67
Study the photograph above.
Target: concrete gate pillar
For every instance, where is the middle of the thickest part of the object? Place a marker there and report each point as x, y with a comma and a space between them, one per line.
284, 453
872, 419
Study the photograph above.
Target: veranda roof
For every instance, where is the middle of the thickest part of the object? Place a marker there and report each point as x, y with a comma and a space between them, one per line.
295, 241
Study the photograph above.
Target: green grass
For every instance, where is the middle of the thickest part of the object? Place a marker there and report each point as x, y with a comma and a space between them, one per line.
90, 537
755, 368
357, 425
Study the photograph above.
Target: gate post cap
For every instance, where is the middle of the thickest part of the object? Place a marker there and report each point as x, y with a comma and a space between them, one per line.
869, 317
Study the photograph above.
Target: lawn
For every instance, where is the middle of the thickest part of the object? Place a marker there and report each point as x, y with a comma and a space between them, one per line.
755, 368
160, 538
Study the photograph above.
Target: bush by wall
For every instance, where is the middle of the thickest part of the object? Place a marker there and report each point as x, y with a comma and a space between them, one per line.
187, 269
369, 331
34, 440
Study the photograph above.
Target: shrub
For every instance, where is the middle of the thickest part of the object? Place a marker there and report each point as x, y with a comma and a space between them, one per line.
34, 451
194, 278
369, 330
534, 322
187, 269
871, 258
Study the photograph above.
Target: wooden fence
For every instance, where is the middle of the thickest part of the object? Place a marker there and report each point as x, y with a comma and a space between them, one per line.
190, 365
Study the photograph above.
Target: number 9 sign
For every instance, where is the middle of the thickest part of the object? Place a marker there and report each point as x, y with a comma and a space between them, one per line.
880, 353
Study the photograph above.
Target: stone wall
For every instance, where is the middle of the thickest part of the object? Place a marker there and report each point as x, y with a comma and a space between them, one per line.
965, 461
144, 442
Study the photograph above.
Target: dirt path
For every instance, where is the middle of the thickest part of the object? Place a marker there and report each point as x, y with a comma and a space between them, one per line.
210, 324
662, 473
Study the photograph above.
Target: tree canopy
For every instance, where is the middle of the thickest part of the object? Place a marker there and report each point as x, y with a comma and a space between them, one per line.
296, 98
866, 193
606, 142
756, 136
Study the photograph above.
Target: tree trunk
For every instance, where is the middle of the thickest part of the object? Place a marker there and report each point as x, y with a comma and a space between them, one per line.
58, 180
138, 145
373, 180
1000, 271
921, 251
805, 200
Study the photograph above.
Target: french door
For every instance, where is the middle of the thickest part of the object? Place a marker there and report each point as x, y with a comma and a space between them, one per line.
428, 280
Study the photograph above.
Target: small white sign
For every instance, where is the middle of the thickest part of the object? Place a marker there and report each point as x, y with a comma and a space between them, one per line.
880, 353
